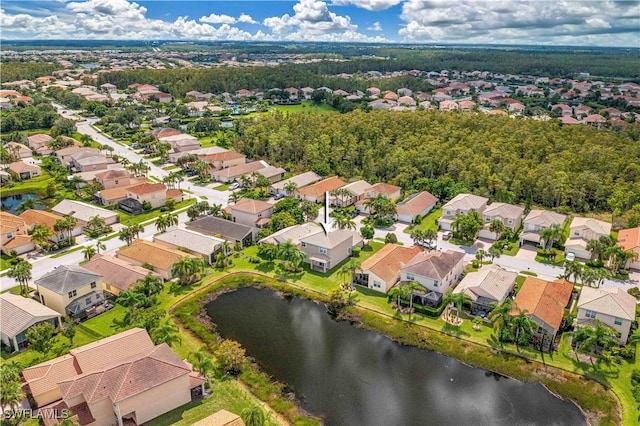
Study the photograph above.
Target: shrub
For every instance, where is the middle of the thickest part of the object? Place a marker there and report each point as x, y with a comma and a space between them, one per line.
146, 205
230, 356
391, 238
355, 252
635, 292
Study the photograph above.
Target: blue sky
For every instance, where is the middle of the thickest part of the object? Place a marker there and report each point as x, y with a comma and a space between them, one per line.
537, 22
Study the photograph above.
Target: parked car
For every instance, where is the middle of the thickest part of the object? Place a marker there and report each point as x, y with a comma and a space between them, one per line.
278, 196
432, 244
234, 186
354, 213
191, 173
570, 257
446, 235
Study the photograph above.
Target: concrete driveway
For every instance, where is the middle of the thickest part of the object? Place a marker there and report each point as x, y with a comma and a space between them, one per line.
526, 252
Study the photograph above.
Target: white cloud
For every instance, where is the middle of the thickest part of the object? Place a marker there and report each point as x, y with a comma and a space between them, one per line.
374, 5
375, 27
247, 19
121, 9
514, 21
312, 18
218, 19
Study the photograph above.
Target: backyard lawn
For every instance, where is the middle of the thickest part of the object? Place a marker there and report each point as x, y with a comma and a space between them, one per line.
430, 221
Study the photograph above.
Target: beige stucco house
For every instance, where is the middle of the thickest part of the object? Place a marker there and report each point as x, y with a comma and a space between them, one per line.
25, 169
327, 249
490, 285
48, 219
419, 204
509, 214
437, 271
14, 234
71, 291
117, 178
247, 211
160, 257
381, 271
300, 181
612, 306
316, 192
536, 221
206, 246
629, 239
461, 204
17, 314
583, 230
154, 193
118, 275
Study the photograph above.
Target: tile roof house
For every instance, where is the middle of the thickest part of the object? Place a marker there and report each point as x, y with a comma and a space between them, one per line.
583, 230
612, 306
301, 181
17, 314
223, 160
544, 302
357, 191
419, 204
316, 192
392, 192
117, 178
381, 271
225, 229
71, 291
83, 212
39, 143
250, 212
274, 174
629, 240
327, 249
536, 221
154, 193
117, 274
437, 271
292, 233
25, 170
120, 379
19, 150
461, 204
158, 256
235, 172
197, 243
14, 234
32, 216
491, 284
510, 215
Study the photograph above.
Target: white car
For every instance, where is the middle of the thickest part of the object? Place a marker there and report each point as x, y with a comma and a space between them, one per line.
233, 186
570, 257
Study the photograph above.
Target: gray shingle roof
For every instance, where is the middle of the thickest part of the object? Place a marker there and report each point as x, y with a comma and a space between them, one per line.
17, 313
225, 228
66, 278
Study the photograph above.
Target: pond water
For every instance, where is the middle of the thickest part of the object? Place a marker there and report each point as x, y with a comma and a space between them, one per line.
350, 376
10, 203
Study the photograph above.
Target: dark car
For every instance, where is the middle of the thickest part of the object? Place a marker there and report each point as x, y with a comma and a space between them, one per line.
354, 213
278, 196
192, 173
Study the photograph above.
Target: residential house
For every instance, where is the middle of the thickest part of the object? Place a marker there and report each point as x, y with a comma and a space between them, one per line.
582, 111
583, 230
301, 181
39, 143
490, 285
225, 229
407, 101
570, 121
224, 159
247, 211
31, 217
164, 132
117, 274
25, 170
114, 196
391, 192
449, 105
65, 155
563, 110
71, 291
381, 271
514, 105
109, 88
467, 105
629, 239
158, 257
509, 214
17, 314
18, 150
274, 174
230, 174
419, 204
327, 249
86, 160
292, 233
153, 193
196, 243
595, 120
117, 178
316, 192
151, 380
182, 142
544, 302
357, 191
461, 204
437, 271
14, 234
83, 212
611, 306
536, 221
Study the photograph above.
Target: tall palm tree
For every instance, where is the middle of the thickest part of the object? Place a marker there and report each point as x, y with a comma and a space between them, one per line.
458, 300
137, 228
253, 416
268, 251
291, 254
497, 227
500, 316
291, 188
595, 338
550, 235
165, 332
89, 252
127, 235
130, 299
11, 394
410, 287
523, 324
589, 276
41, 235
96, 223
398, 292
100, 246
349, 270
574, 269
150, 284
21, 272
69, 225
430, 234
215, 209
202, 361
188, 269
343, 221
418, 237
480, 255
494, 252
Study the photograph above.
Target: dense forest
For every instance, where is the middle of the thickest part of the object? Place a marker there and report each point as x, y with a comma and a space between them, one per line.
12, 71
574, 168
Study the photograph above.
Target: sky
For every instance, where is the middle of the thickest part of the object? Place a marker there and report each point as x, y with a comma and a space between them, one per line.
531, 22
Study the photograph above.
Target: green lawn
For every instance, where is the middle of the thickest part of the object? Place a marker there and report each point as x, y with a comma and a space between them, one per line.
5, 262
222, 187
129, 219
430, 221
306, 106
36, 185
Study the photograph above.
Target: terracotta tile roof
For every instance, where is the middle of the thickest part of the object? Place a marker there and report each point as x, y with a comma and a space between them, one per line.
81, 411
154, 254
385, 189
220, 418
114, 193
417, 204
21, 166
545, 300
222, 156
147, 188
434, 264
10, 222
629, 239
45, 218
248, 205
39, 139
17, 241
44, 377
326, 185
113, 174
388, 262
174, 193
116, 272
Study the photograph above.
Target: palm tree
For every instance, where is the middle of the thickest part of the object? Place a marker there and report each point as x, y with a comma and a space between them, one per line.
341, 193
497, 227
602, 274
500, 316
574, 269
291, 254
88, 252
550, 235
381, 207
137, 228
349, 270
26, 204
480, 255
458, 300
150, 284
343, 221
398, 292
202, 361
187, 269
194, 212
68, 223
234, 197
21, 272
494, 252
523, 323
409, 288
130, 299
215, 210
589, 276
309, 210
596, 249
290, 188
96, 223
41, 235
165, 332
11, 394
161, 223
253, 416
595, 338
127, 235
430, 235
418, 237
100, 246
268, 251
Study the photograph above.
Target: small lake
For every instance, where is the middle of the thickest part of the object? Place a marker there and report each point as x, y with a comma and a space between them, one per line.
10, 203
350, 376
